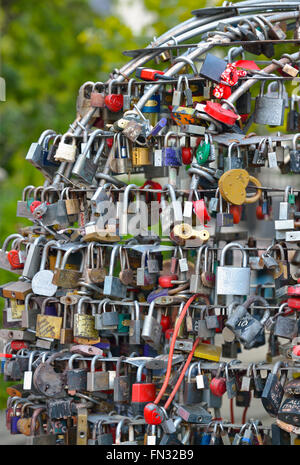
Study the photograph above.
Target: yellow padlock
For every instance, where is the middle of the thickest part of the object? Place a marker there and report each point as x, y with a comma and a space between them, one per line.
232, 185
208, 352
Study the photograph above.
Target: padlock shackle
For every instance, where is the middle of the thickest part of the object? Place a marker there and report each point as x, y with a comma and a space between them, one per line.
199, 256
295, 138
115, 250
47, 301
81, 301
45, 133
73, 357
10, 238
30, 360
94, 360
231, 52
45, 253
139, 372
192, 365
288, 189
188, 61
96, 84
68, 253
126, 196
91, 140
230, 246
119, 429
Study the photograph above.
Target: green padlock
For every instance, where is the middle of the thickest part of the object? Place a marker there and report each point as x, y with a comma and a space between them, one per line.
123, 318
203, 151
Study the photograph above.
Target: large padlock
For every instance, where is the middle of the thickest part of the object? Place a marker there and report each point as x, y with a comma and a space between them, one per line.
269, 110
232, 280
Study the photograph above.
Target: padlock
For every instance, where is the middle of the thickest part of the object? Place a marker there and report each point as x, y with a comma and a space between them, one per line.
218, 383
122, 384
97, 97
245, 327
171, 156
97, 380
86, 164
223, 219
113, 287
233, 280
142, 392
269, 110
68, 278
76, 377
285, 327
42, 280
196, 283
191, 394
66, 152
131, 440
105, 320
152, 329
114, 102
233, 162
84, 324
273, 391
48, 326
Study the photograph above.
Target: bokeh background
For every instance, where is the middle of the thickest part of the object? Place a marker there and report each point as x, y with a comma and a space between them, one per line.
48, 50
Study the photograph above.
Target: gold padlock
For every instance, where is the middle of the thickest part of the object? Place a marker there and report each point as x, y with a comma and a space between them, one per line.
141, 156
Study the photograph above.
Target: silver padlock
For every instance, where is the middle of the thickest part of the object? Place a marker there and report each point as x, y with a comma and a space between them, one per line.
231, 280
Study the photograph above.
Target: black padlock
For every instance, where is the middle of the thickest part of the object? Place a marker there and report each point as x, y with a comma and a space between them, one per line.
273, 391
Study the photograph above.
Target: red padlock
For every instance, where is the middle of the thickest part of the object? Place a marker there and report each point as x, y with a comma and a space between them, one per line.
169, 333
201, 211
114, 102
14, 259
142, 393
236, 211
34, 205
259, 212
216, 111
109, 142
165, 323
165, 280
294, 303
294, 290
218, 383
18, 345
